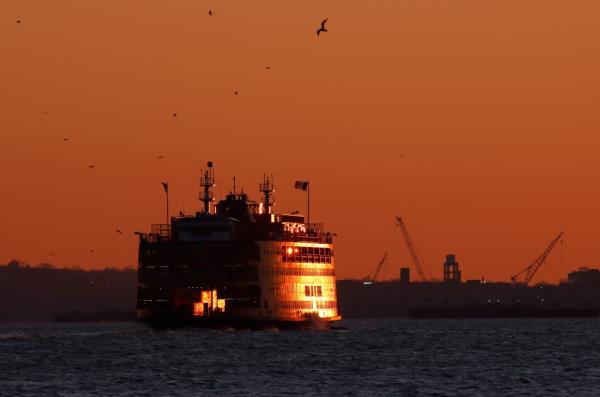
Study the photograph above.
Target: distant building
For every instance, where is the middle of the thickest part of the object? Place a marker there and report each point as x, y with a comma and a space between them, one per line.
584, 275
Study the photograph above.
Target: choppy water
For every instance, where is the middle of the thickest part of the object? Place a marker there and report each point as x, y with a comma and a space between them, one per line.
372, 357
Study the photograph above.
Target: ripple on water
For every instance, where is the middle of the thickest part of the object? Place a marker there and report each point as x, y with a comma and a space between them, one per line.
495, 357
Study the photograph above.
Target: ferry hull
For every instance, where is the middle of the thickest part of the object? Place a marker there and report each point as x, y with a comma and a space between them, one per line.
166, 320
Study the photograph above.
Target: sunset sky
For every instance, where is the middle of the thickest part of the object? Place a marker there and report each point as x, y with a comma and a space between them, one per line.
476, 121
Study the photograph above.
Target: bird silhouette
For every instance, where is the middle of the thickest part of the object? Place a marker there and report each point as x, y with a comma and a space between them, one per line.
51, 254
210, 13
18, 21
235, 93
322, 28
268, 68
91, 166
91, 251
174, 114
65, 139
120, 232
160, 157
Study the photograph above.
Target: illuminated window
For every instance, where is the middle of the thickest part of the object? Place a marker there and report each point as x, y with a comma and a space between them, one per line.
313, 290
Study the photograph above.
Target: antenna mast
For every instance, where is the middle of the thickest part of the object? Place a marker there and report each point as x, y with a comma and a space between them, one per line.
207, 181
267, 188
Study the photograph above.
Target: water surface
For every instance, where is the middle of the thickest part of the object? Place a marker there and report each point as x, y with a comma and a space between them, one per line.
371, 357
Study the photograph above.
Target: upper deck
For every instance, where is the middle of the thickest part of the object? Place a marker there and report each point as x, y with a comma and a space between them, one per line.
199, 229
237, 218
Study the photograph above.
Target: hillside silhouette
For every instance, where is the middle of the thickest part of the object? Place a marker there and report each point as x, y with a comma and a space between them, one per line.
45, 293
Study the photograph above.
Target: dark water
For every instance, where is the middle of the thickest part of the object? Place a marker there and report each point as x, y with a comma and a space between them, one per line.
372, 357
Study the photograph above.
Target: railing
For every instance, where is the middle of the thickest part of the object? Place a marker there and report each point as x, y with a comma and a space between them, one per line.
314, 234
161, 231
158, 231
326, 238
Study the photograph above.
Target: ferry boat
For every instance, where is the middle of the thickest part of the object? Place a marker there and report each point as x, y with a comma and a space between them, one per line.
237, 263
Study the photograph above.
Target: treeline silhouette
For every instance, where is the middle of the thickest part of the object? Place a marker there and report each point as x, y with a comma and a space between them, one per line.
47, 293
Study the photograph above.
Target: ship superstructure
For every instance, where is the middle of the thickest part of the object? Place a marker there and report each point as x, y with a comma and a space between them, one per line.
237, 263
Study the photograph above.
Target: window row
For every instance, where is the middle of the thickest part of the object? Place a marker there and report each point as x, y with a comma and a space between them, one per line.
297, 271
305, 305
326, 304
306, 254
313, 290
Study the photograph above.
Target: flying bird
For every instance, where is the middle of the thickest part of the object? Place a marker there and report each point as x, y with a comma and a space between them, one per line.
160, 157
120, 232
91, 166
322, 28
174, 114
210, 13
91, 251
268, 68
18, 21
65, 139
235, 92
51, 254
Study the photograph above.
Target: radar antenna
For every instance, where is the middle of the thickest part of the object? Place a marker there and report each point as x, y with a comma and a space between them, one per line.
207, 181
267, 188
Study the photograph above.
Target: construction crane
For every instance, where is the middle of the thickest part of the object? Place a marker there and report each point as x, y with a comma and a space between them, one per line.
382, 262
411, 249
530, 270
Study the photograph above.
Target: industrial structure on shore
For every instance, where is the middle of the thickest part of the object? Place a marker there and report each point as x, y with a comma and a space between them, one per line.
454, 298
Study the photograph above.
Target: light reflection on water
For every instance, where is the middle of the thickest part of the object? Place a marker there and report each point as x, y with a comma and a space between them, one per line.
433, 357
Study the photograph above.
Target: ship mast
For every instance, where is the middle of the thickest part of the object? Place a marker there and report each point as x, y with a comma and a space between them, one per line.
267, 188
207, 181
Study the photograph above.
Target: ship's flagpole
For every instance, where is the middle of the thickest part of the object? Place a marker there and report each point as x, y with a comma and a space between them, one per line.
166, 187
308, 205
305, 185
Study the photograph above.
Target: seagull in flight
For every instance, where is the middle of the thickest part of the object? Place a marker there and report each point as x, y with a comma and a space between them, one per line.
322, 28
18, 21
210, 13
91, 166
174, 114
120, 232
65, 139
160, 157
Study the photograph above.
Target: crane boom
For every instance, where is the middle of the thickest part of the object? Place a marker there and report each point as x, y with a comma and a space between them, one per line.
530, 270
411, 248
378, 268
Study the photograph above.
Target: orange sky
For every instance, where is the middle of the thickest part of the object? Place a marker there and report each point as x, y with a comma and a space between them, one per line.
493, 104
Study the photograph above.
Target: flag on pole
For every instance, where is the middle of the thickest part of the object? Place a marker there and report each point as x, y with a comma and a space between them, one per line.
165, 186
302, 185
